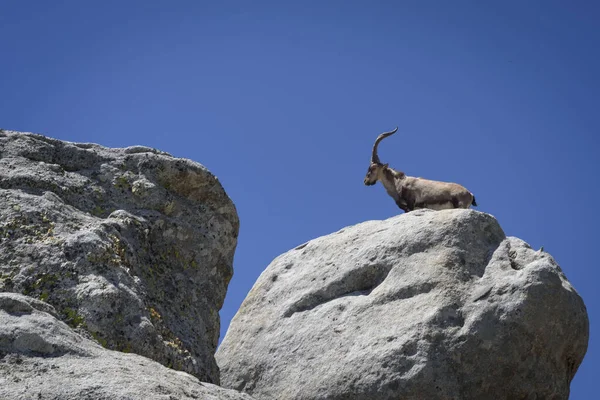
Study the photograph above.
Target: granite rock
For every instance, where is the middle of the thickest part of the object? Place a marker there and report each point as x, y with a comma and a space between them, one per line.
132, 247
43, 358
425, 305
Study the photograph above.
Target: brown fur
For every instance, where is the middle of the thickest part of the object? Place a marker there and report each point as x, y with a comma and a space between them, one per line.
410, 193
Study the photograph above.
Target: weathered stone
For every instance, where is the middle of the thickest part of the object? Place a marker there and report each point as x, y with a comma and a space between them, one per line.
425, 305
43, 358
132, 247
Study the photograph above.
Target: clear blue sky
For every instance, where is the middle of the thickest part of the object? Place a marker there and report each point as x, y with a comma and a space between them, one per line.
282, 101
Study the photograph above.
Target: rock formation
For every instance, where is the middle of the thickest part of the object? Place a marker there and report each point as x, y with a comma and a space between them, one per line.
105, 252
132, 247
425, 305
43, 358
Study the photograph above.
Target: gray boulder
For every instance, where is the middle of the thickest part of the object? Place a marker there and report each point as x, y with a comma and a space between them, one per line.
425, 305
132, 247
43, 358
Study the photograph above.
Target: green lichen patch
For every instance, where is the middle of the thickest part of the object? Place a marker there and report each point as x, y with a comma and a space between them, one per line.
44, 295
6, 279
98, 211
72, 318
100, 339
114, 253
31, 228
40, 283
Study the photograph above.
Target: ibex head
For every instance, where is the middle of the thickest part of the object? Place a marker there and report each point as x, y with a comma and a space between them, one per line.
376, 167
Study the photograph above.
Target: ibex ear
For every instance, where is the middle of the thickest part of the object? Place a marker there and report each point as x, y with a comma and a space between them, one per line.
385, 165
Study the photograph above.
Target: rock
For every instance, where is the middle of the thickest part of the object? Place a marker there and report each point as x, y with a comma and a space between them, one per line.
43, 358
132, 247
425, 305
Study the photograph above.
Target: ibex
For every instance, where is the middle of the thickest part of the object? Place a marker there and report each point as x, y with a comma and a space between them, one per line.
411, 193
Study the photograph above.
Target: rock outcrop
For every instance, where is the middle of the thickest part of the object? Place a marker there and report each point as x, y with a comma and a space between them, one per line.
425, 305
132, 247
43, 358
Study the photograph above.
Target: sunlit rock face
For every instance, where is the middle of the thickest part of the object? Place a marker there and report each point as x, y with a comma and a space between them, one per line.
132, 247
425, 305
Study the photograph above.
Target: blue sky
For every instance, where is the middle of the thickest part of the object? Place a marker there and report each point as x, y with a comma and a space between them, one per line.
282, 101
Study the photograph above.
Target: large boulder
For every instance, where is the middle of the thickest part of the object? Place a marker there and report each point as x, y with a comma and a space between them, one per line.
425, 305
43, 358
132, 247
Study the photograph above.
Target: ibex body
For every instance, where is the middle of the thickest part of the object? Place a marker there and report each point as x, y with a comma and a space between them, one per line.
412, 193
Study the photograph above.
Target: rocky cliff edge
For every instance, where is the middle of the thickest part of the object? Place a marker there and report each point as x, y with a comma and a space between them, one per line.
131, 247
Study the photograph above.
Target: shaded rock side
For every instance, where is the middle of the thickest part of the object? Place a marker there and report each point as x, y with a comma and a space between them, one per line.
43, 358
425, 305
132, 247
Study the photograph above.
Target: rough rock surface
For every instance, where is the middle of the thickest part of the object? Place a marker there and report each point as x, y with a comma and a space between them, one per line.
43, 358
132, 247
425, 305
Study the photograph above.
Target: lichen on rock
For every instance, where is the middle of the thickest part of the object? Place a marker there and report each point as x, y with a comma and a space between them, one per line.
132, 247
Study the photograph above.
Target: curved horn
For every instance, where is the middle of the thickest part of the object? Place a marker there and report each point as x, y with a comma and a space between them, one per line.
374, 156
